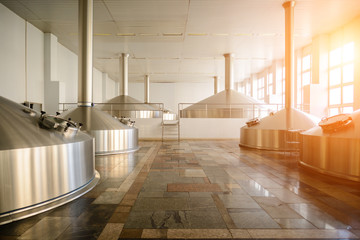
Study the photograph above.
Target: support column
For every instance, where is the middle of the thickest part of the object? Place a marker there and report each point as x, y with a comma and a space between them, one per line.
229, 71
85, 53
216, 85
51, 84
146, 89
289, 58
124, 65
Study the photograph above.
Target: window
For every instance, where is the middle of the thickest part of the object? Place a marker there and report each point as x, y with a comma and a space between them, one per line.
255, 89
248, 87
270, 83
261, 89
341, 79
283, 84
303, 77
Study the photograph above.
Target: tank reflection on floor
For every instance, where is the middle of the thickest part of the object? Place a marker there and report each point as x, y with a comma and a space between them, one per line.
202, 189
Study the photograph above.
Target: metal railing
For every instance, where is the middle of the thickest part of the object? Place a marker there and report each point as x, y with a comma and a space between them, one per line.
128, 110
239, 110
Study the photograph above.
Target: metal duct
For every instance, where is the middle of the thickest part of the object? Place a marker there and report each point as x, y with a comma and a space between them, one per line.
289, 58
85, 65
147, 89
229, 71
334, 148
45, 162
124, 73
111, 136
216, 85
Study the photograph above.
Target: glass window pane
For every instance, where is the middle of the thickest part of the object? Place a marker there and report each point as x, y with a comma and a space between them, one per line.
298, 65
270, 78
283, 72
348, 73
335, 76
335, 57
306, 78
333, 111
348, 94
298, 97
306, 61
255, 89
335, 96
347, 110
348, 52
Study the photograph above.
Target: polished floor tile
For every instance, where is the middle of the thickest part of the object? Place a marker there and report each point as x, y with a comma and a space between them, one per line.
48, 228
201, 190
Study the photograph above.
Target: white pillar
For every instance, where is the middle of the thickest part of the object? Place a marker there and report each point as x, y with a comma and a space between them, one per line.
124, 64
289, 58
216, 85
147, 89
85, 63
229, 71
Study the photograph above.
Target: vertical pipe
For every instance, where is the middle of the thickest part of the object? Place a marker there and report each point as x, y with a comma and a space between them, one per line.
216, 85
124, 63
147, 89
229, 71
85, 53
289, 58
26, 62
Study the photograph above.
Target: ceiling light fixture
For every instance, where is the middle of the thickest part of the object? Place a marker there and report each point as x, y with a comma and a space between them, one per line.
197, 34
243, 34
102, 34
172, 34
220, 34
149, 34
267, 34
126, 34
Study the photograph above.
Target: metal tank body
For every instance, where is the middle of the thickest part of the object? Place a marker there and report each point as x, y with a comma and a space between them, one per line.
334, 153
226, 104
126, 106
40, 167
111, 136
271, 133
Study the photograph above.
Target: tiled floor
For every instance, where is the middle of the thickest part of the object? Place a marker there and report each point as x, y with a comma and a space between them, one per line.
201, 189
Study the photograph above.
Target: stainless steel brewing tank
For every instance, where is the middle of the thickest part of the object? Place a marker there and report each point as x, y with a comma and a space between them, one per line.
40, 167
111, 136
334, 153
126, 106
225, 104
270, 133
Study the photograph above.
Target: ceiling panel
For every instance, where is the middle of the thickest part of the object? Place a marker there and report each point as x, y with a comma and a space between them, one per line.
184, 40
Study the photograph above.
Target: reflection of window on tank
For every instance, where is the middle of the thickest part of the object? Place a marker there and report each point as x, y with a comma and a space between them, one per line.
341, 79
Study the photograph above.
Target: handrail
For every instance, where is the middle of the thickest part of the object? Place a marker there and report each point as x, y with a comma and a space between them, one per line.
233, 110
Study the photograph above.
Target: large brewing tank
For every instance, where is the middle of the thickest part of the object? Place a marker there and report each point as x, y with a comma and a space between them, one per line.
270, 133
333, 147
225, 104
45, 161
126, 106
111, 136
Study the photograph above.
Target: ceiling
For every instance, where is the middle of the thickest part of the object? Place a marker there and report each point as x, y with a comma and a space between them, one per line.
184, 40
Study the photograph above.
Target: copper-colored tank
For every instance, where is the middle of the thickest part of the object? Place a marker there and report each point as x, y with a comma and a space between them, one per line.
334, 148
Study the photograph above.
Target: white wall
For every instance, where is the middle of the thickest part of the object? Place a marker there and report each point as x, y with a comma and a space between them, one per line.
12, 55
211, 128
67, 74
171, 94
97, 86
35, 64
22, 66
